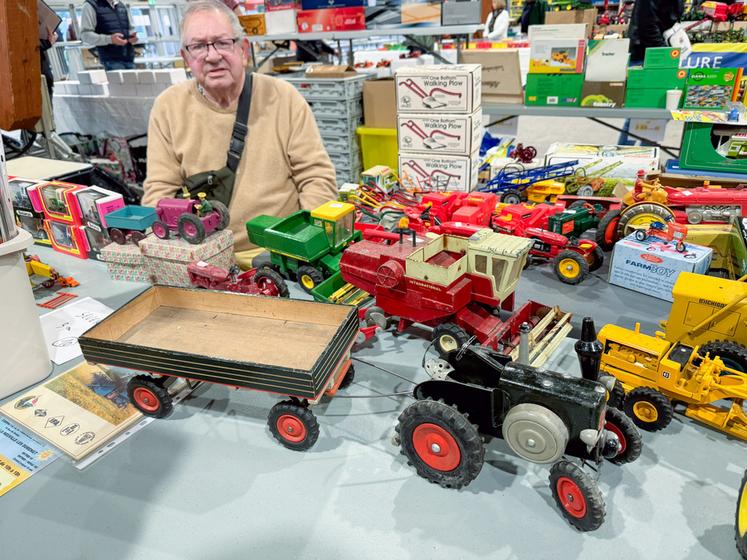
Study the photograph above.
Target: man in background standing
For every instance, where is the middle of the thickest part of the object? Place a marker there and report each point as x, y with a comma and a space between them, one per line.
532, 14
107, 25
648, 22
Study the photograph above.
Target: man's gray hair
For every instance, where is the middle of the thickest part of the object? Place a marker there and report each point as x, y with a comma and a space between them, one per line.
212, 6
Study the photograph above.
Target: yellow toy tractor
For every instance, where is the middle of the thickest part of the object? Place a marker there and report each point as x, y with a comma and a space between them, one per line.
741, 523
37, 269
654, 372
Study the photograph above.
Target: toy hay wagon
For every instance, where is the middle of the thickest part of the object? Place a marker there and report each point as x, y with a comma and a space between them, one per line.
296, 348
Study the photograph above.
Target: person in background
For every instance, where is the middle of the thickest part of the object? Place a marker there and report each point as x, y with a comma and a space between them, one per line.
284, 166
107, 25
46, 68
532, 14
496, 26
648, 22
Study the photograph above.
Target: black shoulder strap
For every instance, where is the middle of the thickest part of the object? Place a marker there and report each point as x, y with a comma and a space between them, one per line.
240, 128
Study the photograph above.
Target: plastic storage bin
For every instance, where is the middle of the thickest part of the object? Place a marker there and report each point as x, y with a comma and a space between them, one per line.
379, 147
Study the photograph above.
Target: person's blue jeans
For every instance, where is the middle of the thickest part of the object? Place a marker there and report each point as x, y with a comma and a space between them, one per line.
117, 65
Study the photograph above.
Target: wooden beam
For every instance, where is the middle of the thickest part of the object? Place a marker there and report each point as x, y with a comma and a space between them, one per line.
20, 65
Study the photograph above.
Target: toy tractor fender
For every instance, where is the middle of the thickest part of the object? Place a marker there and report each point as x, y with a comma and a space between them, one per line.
641, 215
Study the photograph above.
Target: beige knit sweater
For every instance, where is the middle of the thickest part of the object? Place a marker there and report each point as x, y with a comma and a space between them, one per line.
284, 166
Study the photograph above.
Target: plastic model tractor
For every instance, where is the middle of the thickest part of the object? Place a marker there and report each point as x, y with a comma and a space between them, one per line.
572, 259
455, 285
741, 521
130, 223
668, 232
192, 219
654, 373
264, 282
306, 246
35, 268
437, 209
545, 417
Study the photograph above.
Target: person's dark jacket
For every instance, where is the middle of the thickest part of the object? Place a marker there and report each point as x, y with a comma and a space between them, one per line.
649, 20
108, 22
532, 14
46, 68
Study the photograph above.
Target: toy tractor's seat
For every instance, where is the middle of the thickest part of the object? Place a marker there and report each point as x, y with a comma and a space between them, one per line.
680, 354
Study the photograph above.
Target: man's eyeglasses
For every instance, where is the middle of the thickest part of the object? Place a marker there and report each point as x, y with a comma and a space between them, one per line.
201, 49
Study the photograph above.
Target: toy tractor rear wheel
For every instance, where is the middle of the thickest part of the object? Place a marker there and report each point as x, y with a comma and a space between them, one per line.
570, 267
225, 217
606, 234
150, 396
160, 230
449, 337
440, 443
511, 196
577, 495
191, 229
309, 278
733, 354
270, 283
741, 521
631, 442
293, 425
118, 236
641, 216
649, 409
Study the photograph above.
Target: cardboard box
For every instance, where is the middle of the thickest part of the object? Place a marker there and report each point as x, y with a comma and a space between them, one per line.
333, 19
33, 222
439, 172
96, 240
645, 78
628, 159
127, 263
280, 5
662, 57
501, 74
651, 267
443, 134
327, 4
94, 203
461, 12
379, 104
557, 56
607, 60
710, 88
67, 239
168, 258
383, 14
563, 90
330, 71
419, 14
585, 17
565, 31
646, 98
253, 24
439, 88
603, 94
281, 22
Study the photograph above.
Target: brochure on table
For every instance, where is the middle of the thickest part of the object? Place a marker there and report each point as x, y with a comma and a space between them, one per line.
21, 455
63, 326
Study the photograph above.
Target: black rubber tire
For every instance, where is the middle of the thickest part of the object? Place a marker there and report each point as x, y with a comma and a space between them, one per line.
157, 389
741, 504
594, 511
733, 354
627, 433
347, 381
275, 278
48, 284
309, 271
199, 235
136, 237
597, 259
448, 418
225, 216
303, 415
661, 403
577, 204
606, 233
118, 236
455, 332
659, 210
616, 396
579, 260
511, 196
165, 231
263, 260
640, 235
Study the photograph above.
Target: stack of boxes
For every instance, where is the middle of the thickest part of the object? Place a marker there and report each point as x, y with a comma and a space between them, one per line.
556, 71
336, 104
606, 67
439, 126
26, 217
648, 84
121, 83
316, 16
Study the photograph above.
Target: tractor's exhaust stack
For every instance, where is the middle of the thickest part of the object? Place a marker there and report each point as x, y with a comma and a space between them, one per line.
589, 350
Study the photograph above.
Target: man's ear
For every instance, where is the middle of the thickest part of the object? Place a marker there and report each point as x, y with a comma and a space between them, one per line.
184, 57
244, 42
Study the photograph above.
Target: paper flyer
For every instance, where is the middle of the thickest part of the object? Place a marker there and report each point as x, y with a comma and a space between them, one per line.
78, 411
21, 455
63, 326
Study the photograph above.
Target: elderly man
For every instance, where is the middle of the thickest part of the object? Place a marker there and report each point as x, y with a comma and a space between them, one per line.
284, 166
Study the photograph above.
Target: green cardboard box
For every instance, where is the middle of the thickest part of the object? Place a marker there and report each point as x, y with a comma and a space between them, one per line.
662, 57
667, 78
710, 88
603, 94
562, 90
646, 98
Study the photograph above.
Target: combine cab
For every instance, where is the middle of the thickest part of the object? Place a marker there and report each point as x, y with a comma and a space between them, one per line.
454, 284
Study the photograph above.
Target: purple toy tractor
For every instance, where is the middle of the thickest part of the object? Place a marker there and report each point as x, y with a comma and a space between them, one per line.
193, 219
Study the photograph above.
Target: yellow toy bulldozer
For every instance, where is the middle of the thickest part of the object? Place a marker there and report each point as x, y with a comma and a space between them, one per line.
38, 269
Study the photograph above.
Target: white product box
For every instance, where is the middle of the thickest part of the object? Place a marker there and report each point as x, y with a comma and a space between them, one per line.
652, 266
144, 90
114, 77
557, 31
170, 75
607, 60
146, 77
445, 134
129, 76
100, 89
439, 88
627, 160
126, 90
439, 172
280, 21
557, 56
84, 77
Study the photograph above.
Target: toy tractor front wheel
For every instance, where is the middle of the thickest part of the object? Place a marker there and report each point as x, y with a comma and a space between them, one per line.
270, 283
733, 354
741, 522
160, 230
577, 495
293, 425
649, 409
449, 337
631, 442
191, 229
440, 443
225, 217
606, 235
511, 196
570, 267
149, 396
309, 278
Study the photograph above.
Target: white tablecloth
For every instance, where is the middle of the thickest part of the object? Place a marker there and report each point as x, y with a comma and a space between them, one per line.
114, 116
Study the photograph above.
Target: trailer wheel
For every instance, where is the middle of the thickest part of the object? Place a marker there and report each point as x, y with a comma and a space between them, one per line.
191, 229
309, 278
733, 354
641, 216
741, 521
511, 196
149, 396
225, 217
118, 236
440, 443
586, 190
570, 267
577, 495
631, 443
160, 230
136, 237
293, 425
449, 337
270, 283
597, 259
347, 381
649, 409
535, 433
606, 234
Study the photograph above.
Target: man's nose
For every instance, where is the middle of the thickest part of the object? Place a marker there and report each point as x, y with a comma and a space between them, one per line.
212, 54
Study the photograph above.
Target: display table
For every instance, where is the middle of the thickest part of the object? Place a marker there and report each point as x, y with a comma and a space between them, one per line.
93, 114
210, 482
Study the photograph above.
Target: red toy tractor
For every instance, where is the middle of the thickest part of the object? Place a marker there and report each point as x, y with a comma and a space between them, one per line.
193, 219
439, 208
668, 232
264, 281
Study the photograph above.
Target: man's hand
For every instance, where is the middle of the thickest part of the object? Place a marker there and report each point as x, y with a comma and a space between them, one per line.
51, 36
133, 38
118, 39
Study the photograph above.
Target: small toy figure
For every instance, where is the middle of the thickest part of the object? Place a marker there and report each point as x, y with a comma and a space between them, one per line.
193, 219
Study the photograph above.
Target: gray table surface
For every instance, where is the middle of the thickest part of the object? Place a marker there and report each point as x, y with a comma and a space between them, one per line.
209, 482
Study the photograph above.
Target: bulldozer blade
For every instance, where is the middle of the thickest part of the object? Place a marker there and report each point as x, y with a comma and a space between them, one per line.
543, 342
732, 421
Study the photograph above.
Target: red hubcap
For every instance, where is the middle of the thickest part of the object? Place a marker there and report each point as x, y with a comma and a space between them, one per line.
159, 230
146, 399
618, 432
436, 447
291, 428
571, 497
267, 287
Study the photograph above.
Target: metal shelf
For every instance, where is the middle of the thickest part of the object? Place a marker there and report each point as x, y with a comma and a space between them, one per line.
350, 35
501, 109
